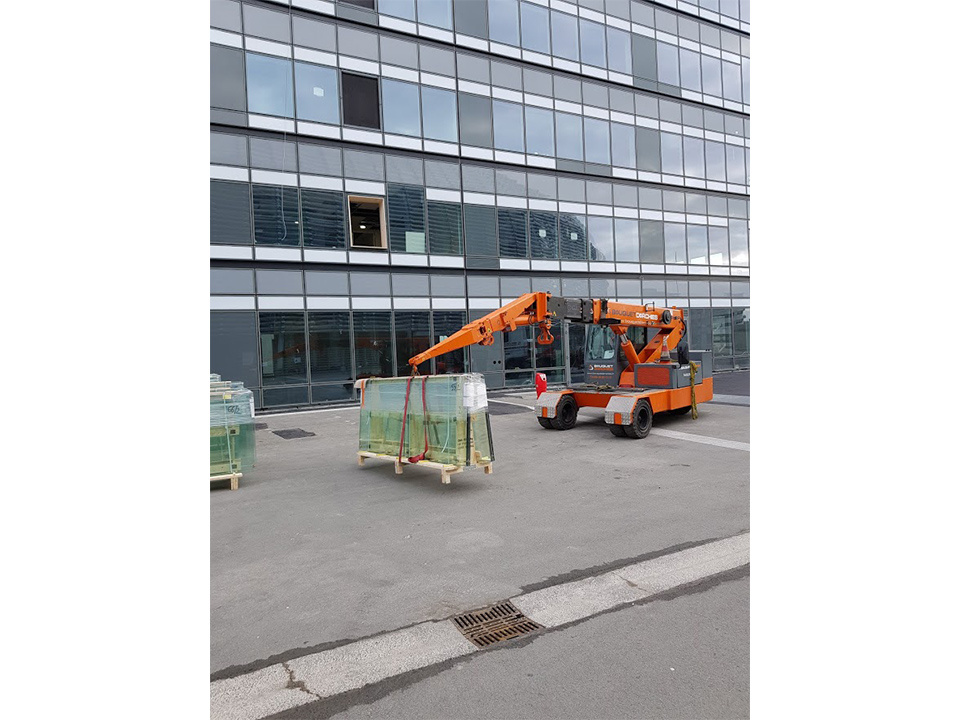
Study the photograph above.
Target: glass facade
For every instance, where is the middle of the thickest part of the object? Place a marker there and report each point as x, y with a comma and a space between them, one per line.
512, 148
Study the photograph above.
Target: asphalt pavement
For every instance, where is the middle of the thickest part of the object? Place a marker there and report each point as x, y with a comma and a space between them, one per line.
313, 552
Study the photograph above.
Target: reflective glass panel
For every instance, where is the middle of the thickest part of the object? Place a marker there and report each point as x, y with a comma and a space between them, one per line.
739, 254
445, 228
507, 126
716, 161
593, 43
573, 237
413, 337
689, 70
504, 18
601, 238
628, 240
269, 85
512, 230
719, 246
438, 13
671, 153
675, 243
566, 42
535, 28
651, 241
693, 157
373, 344
697, 244
317, 97
283, 349
732, 88
668, 64
401, 108
735, 165
569, 136
624, 141
330, 352
711, 75
439, 114
619, 55
539, 125
596, 136
543, 235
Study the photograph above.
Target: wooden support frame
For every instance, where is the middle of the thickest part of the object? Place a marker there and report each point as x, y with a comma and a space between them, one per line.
234, 479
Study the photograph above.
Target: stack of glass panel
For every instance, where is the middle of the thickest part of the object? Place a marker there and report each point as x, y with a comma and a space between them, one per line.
455, 415
232, 438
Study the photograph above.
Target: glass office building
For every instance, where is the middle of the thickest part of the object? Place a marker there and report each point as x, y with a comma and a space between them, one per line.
383, 171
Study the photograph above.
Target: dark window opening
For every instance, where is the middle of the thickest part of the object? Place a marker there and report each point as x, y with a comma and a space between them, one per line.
366, 222
361, 101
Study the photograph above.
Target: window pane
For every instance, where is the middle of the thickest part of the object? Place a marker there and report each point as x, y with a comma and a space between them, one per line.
668, 64
539, 124
573, 237
508, 126
233, 346
446, 324
504, 17
566, 43
569, 136
405, 9
372, 344
675, 243
323, 221
624, 139
276, 215
697, 244
671, 153
648, 145
711, 75
552, 355
722, 332
651, 241
628, 240
476, 127
689, 70
735, 165
693, 157
731, 81
716, 161
480, 230
405, 211
719, 247
439, 114
361, 101
229, 213
593, 43
619, 57
283, 349
317, 97
543, 235
226, 78
413, 337
401, 108
438, 13
596, 135
512, 227
739, 253
446, 229
741, 331
518, 349
329, 346
535, 28
745, 72
269, 85
601, 237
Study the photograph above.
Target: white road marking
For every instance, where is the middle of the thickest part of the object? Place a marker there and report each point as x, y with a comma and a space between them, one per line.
719, 442
306, 679
507, 402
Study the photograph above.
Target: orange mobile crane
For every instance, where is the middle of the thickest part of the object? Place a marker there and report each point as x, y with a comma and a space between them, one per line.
632, 388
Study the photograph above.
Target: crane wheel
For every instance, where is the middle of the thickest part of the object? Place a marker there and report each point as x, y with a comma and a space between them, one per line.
566, 413
642, 420
545, 423
617, 430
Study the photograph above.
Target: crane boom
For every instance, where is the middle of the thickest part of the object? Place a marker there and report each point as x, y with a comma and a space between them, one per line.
542, 309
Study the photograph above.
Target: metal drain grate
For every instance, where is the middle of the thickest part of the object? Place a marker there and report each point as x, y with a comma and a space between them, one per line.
494, 624
293, 433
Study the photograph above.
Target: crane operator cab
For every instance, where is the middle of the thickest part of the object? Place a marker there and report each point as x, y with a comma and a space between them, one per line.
605, 360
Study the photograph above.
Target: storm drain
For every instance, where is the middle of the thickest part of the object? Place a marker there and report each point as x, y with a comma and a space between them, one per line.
293, 433
494, 624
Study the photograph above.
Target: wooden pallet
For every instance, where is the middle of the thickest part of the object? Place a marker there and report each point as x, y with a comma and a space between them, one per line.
446, 470
234, 479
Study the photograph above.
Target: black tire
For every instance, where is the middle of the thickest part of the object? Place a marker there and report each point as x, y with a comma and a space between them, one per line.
642, 420
617, 430
545, 423
566, 413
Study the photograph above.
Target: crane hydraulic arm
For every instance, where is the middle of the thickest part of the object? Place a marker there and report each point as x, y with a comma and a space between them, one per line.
542, 309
